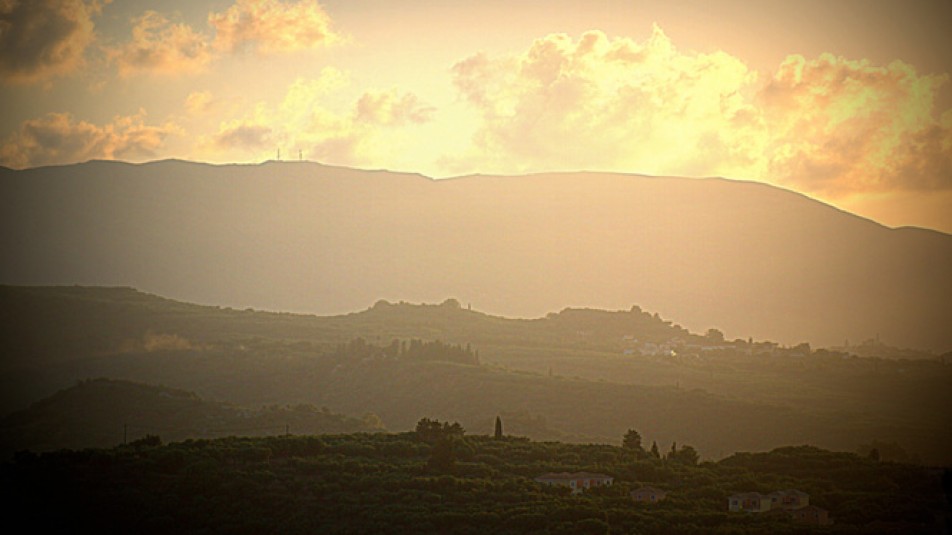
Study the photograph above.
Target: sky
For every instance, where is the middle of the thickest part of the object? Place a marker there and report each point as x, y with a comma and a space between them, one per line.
846, 101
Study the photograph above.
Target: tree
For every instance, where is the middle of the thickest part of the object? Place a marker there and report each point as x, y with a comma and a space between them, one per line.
632, 441
686, 455
715, 336
498, 433
654, 450
148, 441
874, 454
428, 430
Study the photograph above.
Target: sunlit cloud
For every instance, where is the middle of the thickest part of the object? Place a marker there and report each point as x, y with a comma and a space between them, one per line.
608, 104
389, 108
244, 136
367, 131
272, 26
160, 46
839, 126
43, 39
58, 138
199, 103
828, 126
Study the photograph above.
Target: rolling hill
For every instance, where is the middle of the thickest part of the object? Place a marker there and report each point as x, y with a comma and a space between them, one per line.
747, 258
103, 413
567, 376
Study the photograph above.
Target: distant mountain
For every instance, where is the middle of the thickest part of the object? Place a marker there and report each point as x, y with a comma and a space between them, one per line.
747, 258
104, 412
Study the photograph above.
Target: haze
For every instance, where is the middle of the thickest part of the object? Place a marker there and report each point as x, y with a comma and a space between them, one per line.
847, 102
432, 266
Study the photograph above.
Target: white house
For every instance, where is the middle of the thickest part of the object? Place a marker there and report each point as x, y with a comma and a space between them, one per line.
577, 481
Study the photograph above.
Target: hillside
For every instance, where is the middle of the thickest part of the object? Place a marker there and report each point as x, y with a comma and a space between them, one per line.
577, 375
103, 413
750, 259
403, 483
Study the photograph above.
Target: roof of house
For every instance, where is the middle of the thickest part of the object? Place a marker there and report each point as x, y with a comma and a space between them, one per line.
572, 475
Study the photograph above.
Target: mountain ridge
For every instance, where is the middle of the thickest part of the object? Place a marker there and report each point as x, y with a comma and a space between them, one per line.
745, 257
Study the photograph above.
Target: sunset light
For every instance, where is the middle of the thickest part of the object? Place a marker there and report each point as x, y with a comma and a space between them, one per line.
766, 93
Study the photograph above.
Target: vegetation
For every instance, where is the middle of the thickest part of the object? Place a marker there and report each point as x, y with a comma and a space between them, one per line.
105, 412
407, 482
577, 375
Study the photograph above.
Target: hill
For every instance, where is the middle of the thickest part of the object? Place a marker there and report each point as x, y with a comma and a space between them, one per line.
401, 483
577, 375
103, 413
750, 259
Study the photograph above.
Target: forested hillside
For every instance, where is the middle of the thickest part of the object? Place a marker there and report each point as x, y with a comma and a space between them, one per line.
426, 483
577, 375
103, 413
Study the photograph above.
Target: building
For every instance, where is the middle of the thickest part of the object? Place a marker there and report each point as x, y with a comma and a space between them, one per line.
749, 502
812, 515
789, 499
577, 481
648, 495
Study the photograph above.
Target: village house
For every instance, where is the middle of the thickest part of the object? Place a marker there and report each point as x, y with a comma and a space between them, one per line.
749, 502
789, 499
811, 514
794, 503
648, 495
577, 481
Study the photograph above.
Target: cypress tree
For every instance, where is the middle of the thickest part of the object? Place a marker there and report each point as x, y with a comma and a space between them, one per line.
498, 433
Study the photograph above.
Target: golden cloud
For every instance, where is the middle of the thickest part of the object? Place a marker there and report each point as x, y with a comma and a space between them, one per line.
42, 39
389, 108
243, 136
272, 26
58, 138
367, 131
828, 125
616, 104
159, 46
199, 103
840, 126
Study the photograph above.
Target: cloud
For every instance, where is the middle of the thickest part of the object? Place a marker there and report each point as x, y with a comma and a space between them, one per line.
42, 39
272, 26
830, 126
58, 138
389, 108
840, 126
199, 103
243, 136
159, 46
371, 130
598, 103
